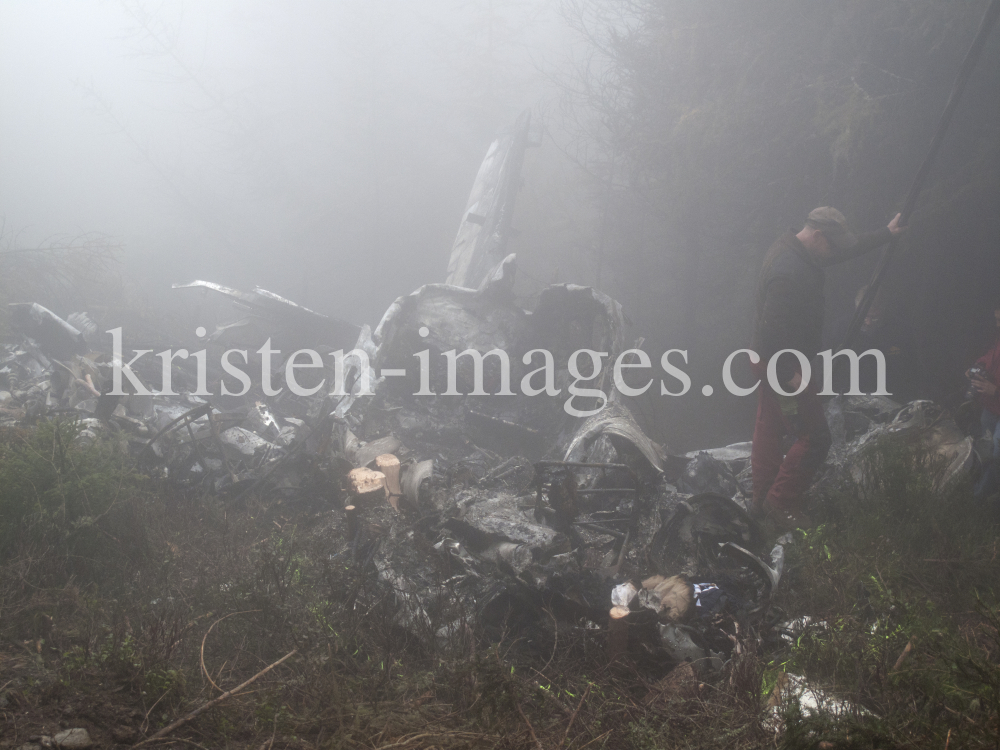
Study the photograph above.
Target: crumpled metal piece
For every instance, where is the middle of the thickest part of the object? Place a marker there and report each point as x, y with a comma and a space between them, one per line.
735, 456
517, 556
615, 422
500, 519
413, 477
566, 318
261, 420
55, 336
688, 541
356, 373
485, 228
705, 473
923, 425
272, 313
678, 641
245, 442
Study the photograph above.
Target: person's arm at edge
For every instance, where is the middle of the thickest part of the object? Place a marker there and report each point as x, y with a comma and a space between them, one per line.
874, 240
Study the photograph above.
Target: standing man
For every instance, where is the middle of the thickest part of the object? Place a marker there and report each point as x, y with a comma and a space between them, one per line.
790, 304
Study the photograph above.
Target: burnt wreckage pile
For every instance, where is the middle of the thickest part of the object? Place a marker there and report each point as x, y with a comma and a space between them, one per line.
465, 507
487, 509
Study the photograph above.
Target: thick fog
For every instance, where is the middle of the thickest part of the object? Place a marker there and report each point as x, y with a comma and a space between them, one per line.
326, 150
322, 150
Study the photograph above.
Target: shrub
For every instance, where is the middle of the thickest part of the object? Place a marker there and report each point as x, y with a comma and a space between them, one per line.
69, 495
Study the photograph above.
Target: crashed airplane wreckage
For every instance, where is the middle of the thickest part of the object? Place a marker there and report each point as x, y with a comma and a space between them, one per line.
465, 506
470, 507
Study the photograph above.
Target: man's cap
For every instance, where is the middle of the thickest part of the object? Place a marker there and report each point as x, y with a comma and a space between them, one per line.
833, 225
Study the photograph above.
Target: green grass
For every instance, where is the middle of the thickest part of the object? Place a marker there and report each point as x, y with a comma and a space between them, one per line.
898, 564
111, 584
74, 500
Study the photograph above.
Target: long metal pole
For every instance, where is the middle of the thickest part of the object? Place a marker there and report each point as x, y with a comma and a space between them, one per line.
964, 73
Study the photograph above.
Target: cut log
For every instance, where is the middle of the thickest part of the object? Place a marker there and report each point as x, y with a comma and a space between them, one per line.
366, 485
617, 632
388, 464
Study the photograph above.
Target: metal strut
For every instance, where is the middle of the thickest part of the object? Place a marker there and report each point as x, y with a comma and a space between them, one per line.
964, 73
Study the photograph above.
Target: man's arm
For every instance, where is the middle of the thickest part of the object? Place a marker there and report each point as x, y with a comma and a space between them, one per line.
866, 243
873, 240
989, 394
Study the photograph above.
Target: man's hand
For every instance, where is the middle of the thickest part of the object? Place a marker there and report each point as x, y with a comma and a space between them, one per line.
795, 382
983, 387
894, 227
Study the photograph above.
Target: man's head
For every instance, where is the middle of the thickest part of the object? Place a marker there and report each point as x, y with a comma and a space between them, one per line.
826, 235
